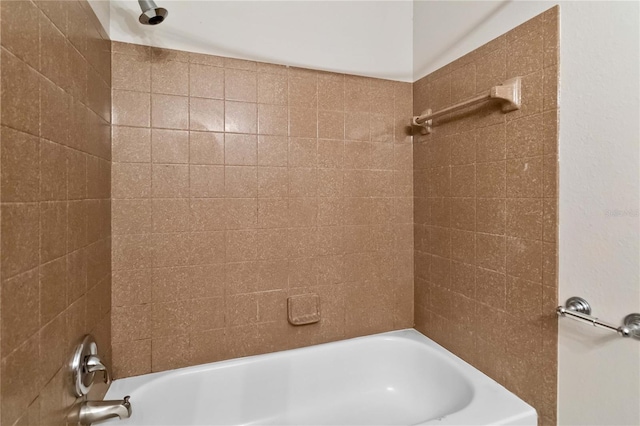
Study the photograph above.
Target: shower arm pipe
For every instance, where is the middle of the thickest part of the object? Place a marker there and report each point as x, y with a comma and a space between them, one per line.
509, 92
147, 4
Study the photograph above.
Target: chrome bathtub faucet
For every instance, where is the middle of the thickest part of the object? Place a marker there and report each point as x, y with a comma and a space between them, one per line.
95, 411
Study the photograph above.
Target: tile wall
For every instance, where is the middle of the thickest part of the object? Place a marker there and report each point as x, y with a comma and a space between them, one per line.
485, 214
236, 184
55, 164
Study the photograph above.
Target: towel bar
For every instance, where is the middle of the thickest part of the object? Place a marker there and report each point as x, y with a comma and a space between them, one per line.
579, 309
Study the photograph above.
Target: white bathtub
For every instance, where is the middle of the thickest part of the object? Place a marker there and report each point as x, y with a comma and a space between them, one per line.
396, 378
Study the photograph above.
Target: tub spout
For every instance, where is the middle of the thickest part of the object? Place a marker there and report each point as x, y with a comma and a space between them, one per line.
94, 411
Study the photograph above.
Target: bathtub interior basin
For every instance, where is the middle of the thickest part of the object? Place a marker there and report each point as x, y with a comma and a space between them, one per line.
396, 378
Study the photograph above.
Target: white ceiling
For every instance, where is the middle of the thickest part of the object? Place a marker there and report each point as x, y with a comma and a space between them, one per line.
372, 38
394, 39
446, 30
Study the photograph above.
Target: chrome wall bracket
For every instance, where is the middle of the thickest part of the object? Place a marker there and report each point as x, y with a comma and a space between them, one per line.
579, 309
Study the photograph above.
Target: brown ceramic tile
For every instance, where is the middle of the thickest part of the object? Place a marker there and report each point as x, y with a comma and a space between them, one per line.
240, 117
549, 265
525, 55
241, 181
20, 34
131, 108
132, 358
491, 179
169, 352
206, 81
490, 252
303, 122
169, 146
170, 77
463, 181
302, 152
463, 148
20, 315
523, 297
211, 60
463, 213
490, 215
20, 166
463, 82
206, 148
170, 249
273, 182
330, 153
54, 113
53, 168
333, 183
53, 297
356, 126
550, 220
331, 124
524, 137
240, 64
241, 150
206, 115
357, 155
524, 259
131, 323
206, 248
550, 180
131, 144
241, 245
206, 181
382, 128
272, 151
159, 55
131, 180
302, 182
272, 89
130, 72
170, 181
463, 246
52, 46
525, 177
131, 287
524, 218
550, 35
550, 91
491, 70
242, 213
170, 215
331, 92
208, 214
20, 231
14, 384
491, 288
171, 112
272, 120
303, 91
240, 85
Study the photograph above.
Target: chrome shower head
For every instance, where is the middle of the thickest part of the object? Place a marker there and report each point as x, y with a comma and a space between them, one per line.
151, 13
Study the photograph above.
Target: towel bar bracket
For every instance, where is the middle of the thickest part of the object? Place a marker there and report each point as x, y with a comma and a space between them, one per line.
509, 93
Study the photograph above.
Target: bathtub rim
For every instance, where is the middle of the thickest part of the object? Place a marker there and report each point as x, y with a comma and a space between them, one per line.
481, 407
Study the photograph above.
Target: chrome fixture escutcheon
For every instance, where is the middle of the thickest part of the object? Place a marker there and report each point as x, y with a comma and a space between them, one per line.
578, 304
84, 365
